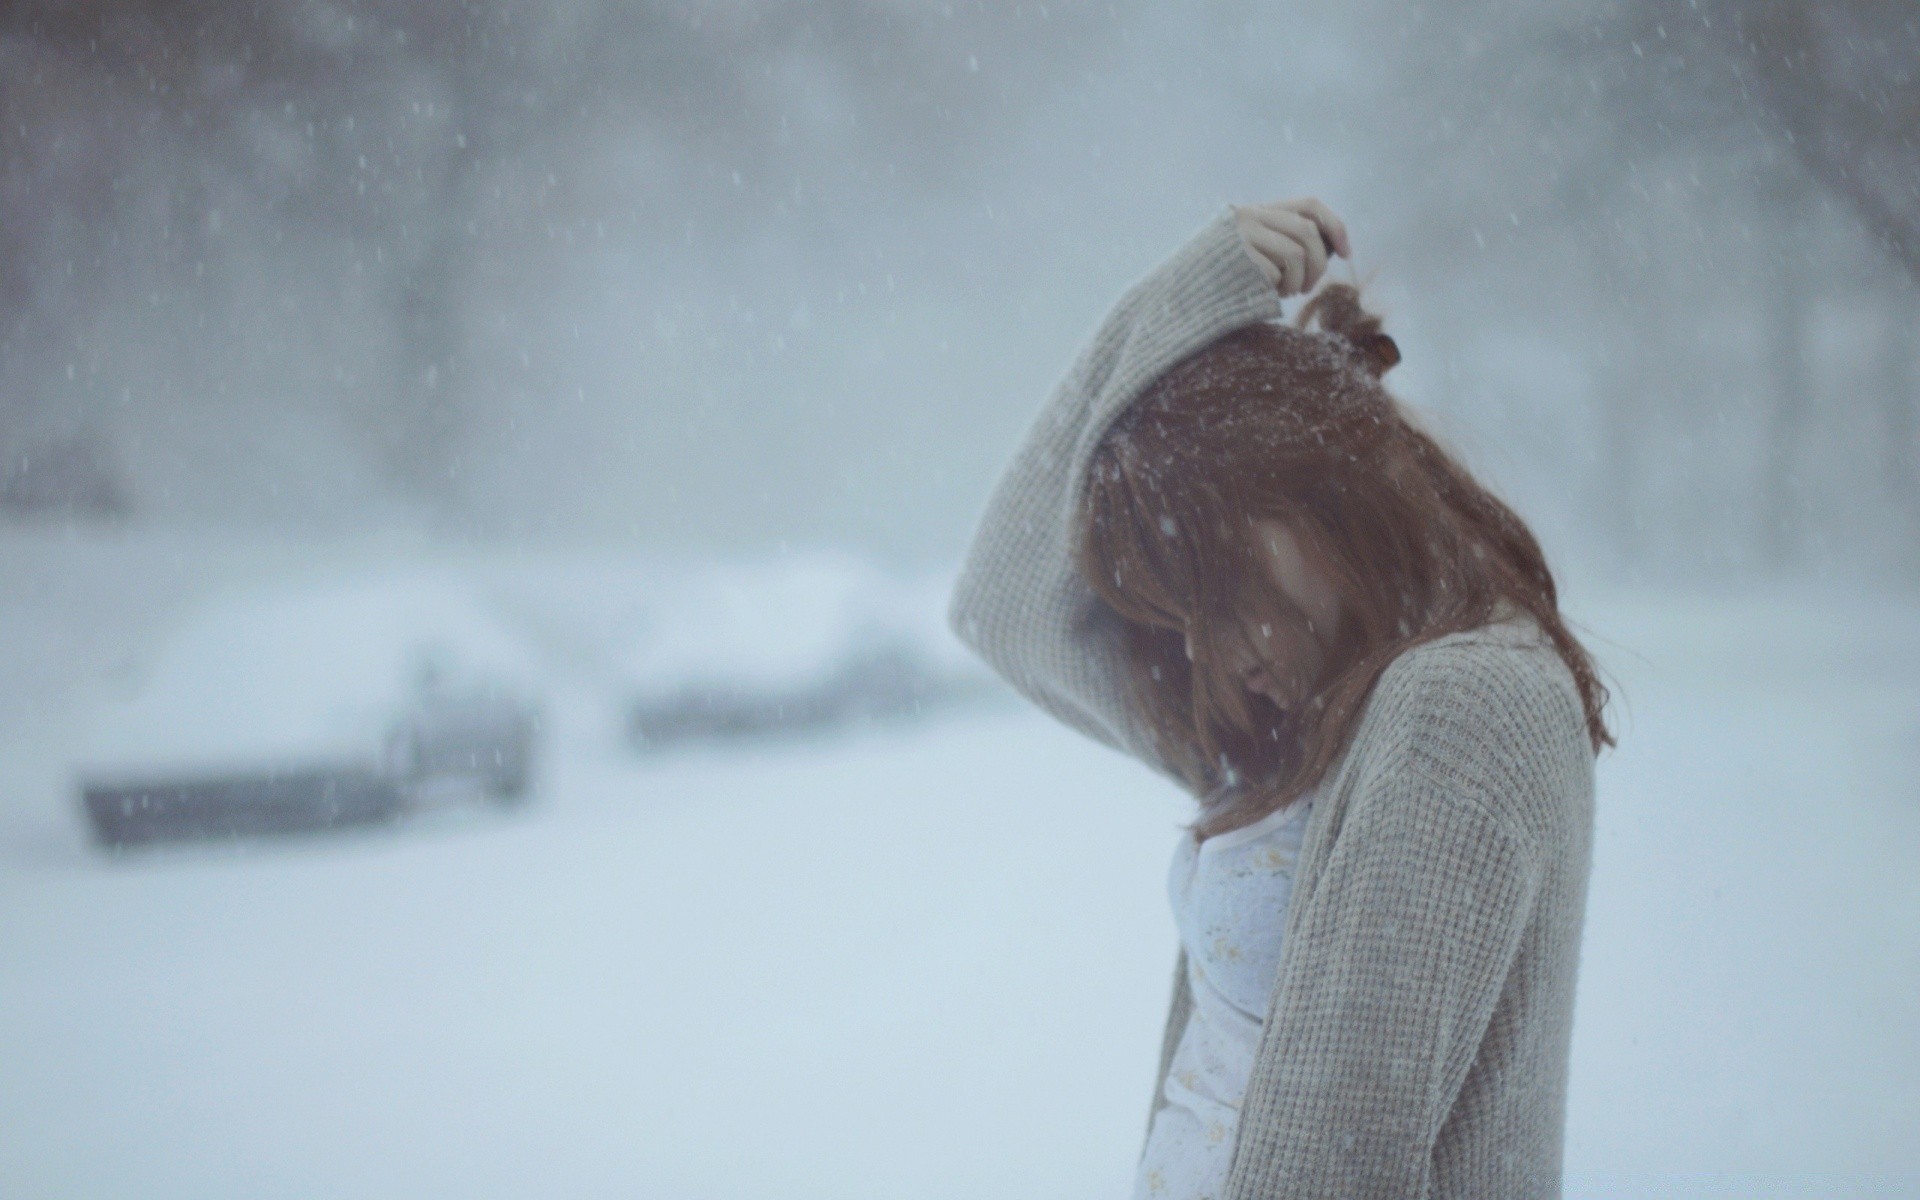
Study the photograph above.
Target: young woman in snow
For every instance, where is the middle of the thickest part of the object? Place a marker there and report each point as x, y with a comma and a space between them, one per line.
1224, 548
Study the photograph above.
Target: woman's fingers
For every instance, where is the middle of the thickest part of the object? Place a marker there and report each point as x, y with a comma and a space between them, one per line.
1304, 233
1288, 244
1288, 259
1291, 239
1255, 239
1332, 228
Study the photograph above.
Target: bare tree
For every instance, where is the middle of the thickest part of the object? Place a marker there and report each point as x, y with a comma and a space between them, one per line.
1841, 80
1684, 147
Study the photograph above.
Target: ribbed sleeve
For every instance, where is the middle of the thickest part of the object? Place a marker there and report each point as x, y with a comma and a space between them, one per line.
1407, 941
1018, 601
1454, 885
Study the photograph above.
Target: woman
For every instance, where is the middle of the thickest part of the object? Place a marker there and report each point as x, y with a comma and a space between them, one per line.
1224, 549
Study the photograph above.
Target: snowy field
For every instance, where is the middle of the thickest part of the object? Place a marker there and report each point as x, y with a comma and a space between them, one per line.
920, 960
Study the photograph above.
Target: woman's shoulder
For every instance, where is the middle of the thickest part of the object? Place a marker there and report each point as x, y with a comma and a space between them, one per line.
1493, 711
1507, 661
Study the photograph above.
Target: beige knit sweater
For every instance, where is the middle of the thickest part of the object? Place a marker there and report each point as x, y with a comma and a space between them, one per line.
1417, 1039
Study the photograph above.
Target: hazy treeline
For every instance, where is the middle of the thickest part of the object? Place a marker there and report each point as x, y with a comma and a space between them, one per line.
211, 210
1714, 207
733, 273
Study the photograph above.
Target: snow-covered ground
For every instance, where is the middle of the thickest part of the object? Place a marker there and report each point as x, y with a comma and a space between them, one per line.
920, 960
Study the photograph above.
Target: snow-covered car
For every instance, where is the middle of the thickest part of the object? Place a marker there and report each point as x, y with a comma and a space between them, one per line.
795, 644
315, 708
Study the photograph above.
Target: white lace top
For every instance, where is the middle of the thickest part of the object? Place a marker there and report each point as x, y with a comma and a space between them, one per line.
1230, 896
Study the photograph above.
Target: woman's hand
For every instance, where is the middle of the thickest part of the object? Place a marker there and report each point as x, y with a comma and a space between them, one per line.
1290, 241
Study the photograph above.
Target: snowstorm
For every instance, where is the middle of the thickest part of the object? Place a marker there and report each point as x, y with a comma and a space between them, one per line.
486, 704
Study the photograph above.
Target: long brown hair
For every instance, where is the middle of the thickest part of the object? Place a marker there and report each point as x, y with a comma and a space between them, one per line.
1293, 423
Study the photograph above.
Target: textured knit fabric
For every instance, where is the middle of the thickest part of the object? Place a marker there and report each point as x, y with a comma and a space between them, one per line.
1417, 1036
1229, 895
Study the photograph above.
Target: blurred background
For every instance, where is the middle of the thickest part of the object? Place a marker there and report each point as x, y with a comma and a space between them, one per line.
478, 483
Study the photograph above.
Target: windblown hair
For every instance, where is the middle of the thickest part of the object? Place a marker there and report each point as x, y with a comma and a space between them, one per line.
1293, 423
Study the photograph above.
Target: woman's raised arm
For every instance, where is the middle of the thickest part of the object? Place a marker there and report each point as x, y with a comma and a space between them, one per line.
1019, 601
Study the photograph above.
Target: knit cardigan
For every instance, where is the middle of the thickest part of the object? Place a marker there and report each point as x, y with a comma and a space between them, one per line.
1417, 1037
